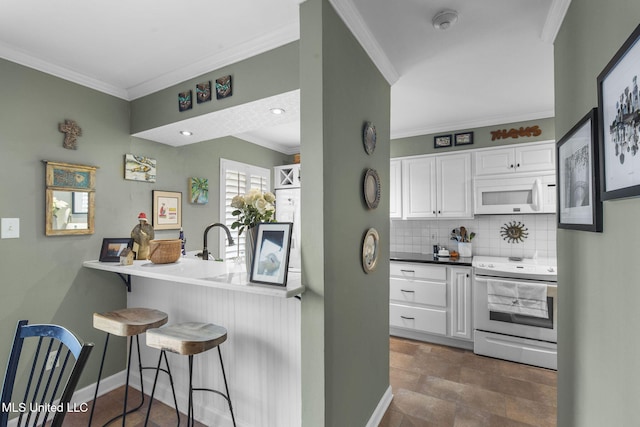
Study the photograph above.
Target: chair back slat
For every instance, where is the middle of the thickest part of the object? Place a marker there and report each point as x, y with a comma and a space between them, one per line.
47, 392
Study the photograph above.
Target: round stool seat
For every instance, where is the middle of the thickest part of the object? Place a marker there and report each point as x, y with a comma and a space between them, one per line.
129, 321
187, 338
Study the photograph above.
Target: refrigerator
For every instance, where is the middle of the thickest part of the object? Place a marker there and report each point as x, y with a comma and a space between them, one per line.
288, 210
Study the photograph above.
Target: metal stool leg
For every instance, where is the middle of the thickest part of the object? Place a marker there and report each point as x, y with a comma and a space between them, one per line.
228, 396
190, 420
95, 395
155, 382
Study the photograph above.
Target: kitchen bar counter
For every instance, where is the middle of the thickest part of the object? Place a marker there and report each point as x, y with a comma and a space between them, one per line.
429, 259
262, 355
193, 271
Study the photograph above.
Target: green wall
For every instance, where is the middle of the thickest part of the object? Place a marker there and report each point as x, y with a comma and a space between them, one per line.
42, 277
345, 312
598, 369
268, 74
482, 138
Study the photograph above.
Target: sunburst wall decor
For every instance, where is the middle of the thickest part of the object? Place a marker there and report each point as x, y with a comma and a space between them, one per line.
514, 232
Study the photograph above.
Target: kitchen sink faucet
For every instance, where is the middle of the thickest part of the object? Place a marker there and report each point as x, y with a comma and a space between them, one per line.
205, 251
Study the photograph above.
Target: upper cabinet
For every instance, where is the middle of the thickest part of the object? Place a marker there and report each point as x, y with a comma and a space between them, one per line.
287, 176
516, 159
434, 186
395, 185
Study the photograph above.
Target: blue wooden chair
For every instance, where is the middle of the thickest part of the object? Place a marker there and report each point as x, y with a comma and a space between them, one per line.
50, 380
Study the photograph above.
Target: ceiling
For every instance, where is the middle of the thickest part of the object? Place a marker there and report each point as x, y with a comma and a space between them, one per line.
494, 66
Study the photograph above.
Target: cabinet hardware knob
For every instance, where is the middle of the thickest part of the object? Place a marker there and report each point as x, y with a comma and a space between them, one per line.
511, 166
408, 318
518, 165
408, 271
404, 290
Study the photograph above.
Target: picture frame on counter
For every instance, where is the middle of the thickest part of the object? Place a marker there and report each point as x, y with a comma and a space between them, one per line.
579, 201
271, 253
442, 141
113, 247
619, 127
167, 210
463, 138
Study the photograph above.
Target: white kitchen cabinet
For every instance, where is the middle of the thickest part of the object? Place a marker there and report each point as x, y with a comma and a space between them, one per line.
437, 186
534, 157
287, 176
431, 302
461, 303
395, 189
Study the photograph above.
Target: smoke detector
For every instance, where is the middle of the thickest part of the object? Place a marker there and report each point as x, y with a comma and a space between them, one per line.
445, 19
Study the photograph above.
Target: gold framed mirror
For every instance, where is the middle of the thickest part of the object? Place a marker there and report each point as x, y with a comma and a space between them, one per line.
70, 199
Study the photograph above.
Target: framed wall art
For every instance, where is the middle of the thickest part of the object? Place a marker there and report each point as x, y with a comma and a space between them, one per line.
167, 210
579, 202
185, 100
223, 87
441, 141
198, 190
619, 122
271, 253
464, 138
203, 92
139, 168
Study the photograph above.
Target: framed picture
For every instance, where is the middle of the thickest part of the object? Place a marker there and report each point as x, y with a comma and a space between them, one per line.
579, 202
111, 248
442, 141
167, 210
185, 101
198, 190
139, 168
223, 87
271, 253
619, 122
203, 92
464, 138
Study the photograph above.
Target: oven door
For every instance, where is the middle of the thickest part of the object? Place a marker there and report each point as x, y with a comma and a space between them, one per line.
518, 325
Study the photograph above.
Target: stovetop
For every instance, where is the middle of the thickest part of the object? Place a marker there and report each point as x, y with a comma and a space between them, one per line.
525, 268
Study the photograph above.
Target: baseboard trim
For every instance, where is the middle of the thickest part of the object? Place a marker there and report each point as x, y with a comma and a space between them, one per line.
381, 409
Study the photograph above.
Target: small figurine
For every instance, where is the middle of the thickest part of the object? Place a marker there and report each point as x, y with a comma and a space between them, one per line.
126, 256
142, 234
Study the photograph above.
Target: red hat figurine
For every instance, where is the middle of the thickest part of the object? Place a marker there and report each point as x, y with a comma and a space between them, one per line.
142, 216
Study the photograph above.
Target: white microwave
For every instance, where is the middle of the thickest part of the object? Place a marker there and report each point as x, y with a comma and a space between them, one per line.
515, 195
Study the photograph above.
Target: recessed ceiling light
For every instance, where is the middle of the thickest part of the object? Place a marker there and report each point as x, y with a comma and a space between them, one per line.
277, 111
186, 133
445, 19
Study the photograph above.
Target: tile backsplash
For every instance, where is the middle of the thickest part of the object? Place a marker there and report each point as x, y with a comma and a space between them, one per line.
420, 235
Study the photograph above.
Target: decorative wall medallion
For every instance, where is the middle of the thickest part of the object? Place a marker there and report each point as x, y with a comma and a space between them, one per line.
184, 101
223, 87
370, 250
203, 92
371, 188
369, 137
71, 132
514, 232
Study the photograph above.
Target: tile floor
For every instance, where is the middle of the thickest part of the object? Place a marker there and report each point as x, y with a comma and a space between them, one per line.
442, 386
433, 386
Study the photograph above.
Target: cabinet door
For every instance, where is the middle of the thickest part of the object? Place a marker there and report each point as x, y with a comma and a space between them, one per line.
537, 157
454, 186
287, 176
418, 188
490, 162
395, 189
461, 302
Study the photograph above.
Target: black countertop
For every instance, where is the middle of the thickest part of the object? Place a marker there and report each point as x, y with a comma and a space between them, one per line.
429, 259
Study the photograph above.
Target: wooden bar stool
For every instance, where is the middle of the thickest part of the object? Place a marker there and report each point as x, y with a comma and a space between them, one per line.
129, 322
189, 339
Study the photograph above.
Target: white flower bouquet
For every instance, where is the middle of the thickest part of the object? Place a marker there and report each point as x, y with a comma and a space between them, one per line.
253, 208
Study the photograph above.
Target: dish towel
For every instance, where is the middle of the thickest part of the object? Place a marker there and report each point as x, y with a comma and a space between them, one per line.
529, 299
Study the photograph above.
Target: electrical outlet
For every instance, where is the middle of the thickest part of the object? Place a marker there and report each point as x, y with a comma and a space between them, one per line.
51, 359
434, 236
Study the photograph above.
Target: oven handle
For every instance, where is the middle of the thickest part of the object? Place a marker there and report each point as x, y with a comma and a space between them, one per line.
486, 279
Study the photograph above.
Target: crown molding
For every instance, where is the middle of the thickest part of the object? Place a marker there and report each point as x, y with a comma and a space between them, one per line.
354, 21
552, 24
22, 58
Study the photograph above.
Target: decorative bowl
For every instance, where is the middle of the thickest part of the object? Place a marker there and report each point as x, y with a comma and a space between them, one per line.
165, 251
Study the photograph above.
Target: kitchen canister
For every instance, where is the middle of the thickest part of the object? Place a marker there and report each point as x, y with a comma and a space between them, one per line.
464, 249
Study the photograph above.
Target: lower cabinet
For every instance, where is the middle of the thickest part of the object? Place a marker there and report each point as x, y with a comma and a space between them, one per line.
431, 303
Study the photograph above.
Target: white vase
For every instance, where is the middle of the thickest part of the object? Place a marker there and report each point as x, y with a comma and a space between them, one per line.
464, 249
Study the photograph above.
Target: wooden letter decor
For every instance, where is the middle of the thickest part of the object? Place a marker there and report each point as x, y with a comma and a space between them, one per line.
71, 131
516, 133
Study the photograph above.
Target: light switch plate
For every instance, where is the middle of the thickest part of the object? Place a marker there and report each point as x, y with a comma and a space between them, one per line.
10, 228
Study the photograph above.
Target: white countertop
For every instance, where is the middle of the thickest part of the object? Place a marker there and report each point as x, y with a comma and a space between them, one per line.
216, 274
